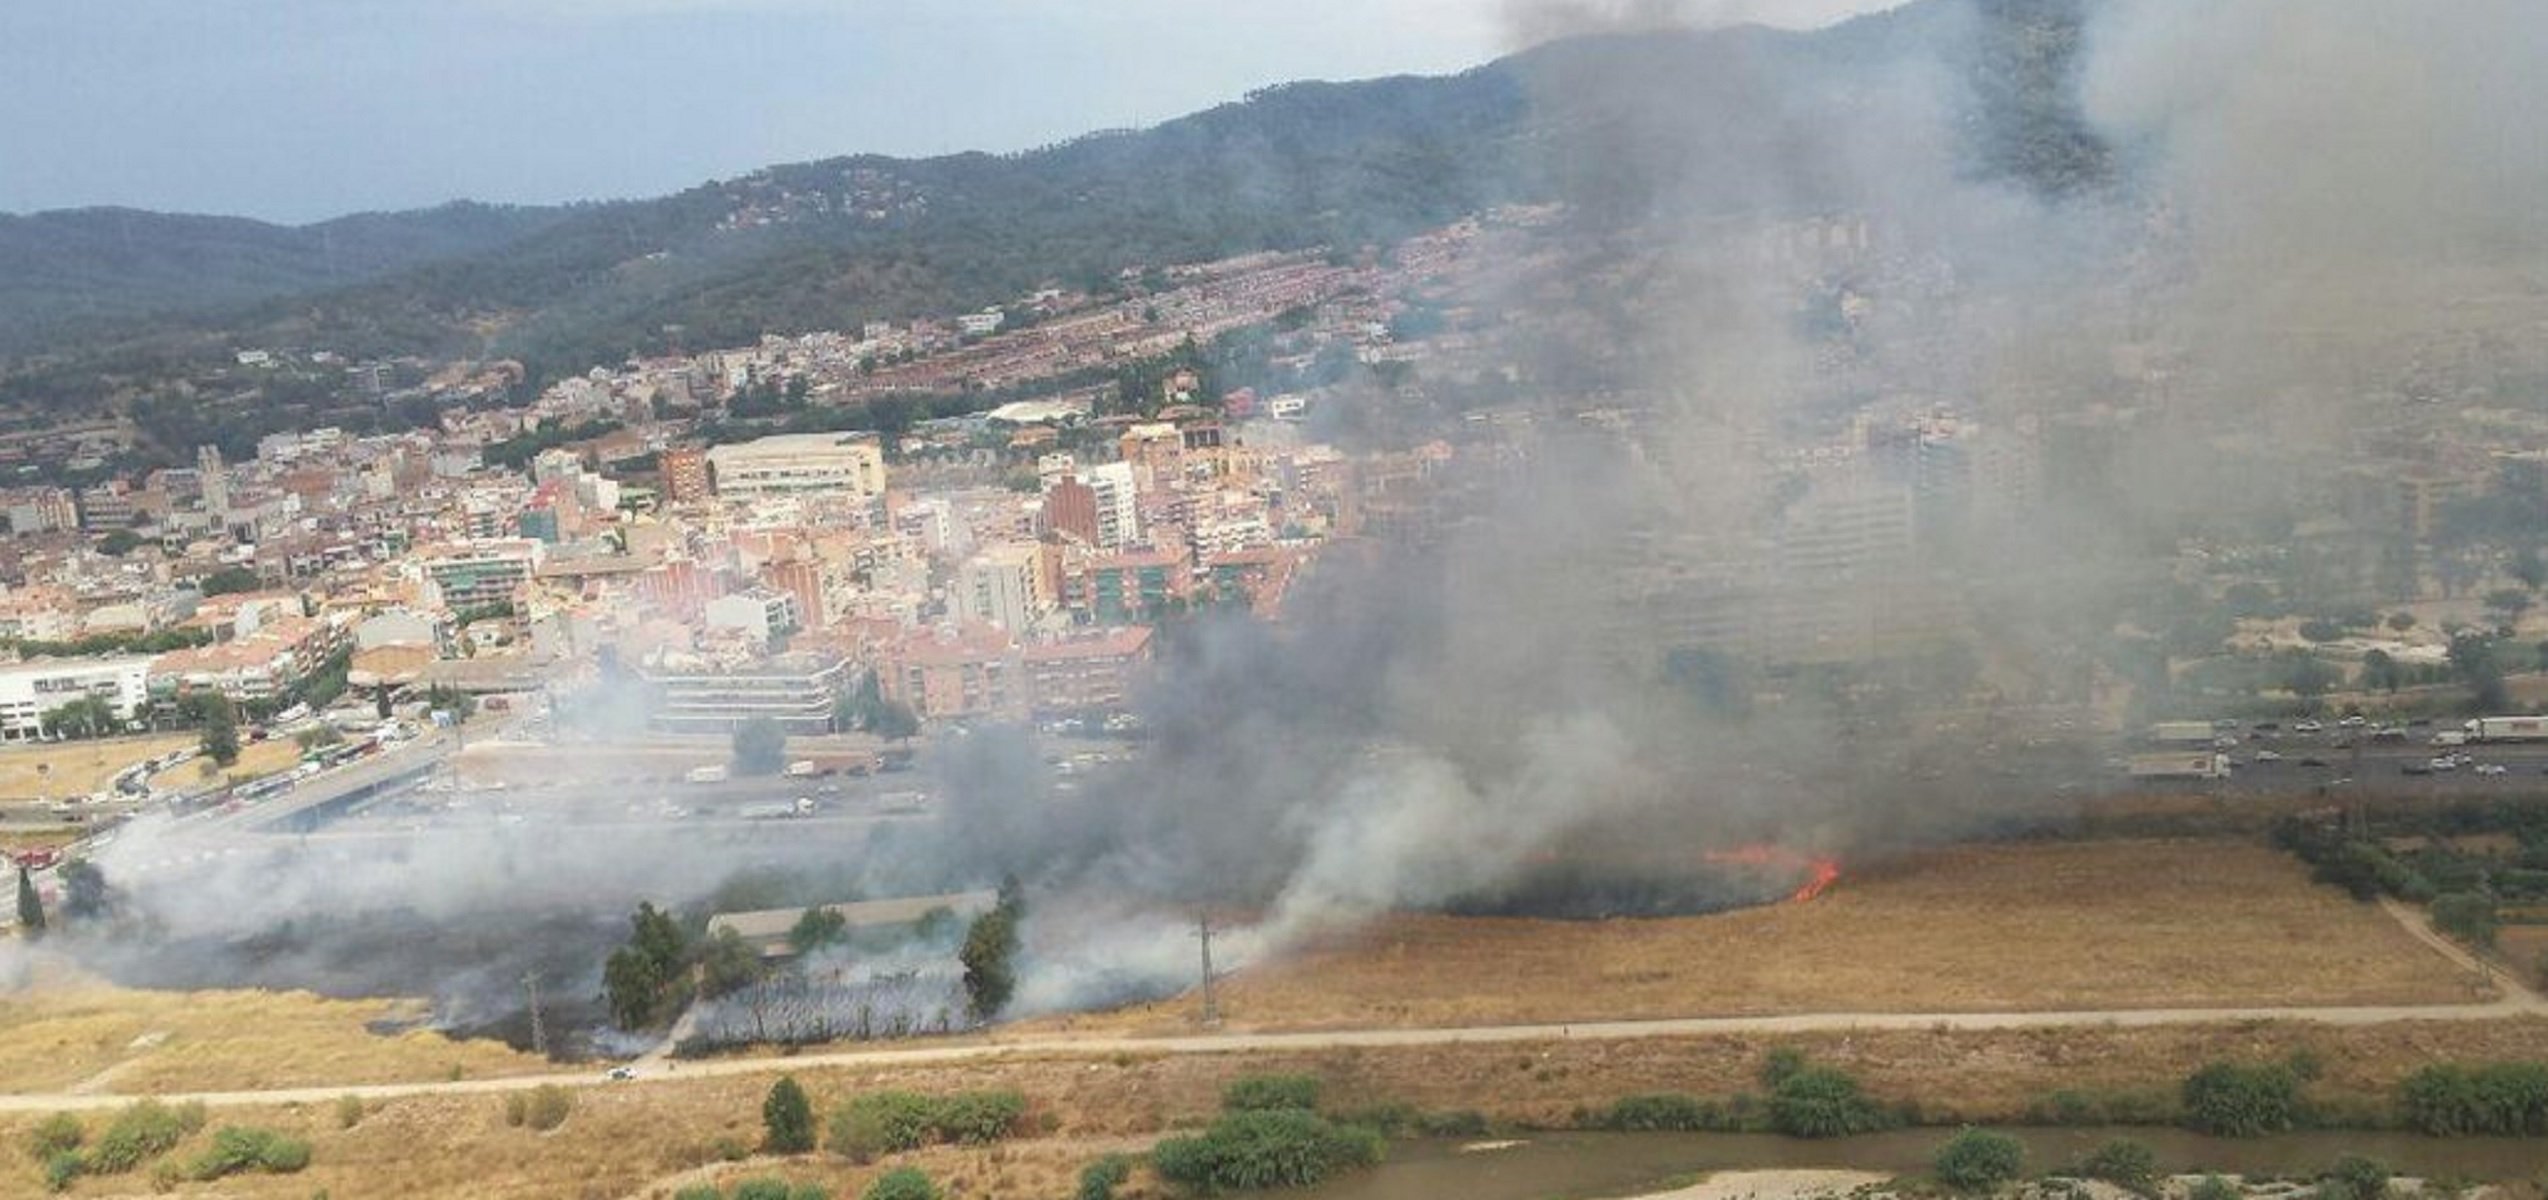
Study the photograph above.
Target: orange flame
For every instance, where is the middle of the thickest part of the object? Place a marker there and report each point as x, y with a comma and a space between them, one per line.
1820, 873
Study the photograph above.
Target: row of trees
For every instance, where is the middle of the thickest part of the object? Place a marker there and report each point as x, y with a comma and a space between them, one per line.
652, 977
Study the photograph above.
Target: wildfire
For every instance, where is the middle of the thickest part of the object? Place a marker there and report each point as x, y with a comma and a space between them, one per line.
1820, 873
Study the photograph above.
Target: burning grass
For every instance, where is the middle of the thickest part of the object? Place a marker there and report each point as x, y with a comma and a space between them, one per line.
2085, 925
80, 1035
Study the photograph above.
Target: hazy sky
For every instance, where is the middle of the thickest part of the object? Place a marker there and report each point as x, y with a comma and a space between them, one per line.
300, 109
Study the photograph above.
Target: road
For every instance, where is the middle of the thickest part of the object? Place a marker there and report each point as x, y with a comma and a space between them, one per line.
2510, 999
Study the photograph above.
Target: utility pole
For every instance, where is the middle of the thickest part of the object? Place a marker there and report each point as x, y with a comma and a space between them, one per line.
1211, 1004
539, 1029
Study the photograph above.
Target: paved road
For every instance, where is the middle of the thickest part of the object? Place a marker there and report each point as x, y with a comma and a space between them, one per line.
2510, 999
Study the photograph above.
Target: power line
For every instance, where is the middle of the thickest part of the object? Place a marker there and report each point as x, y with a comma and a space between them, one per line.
1211, 1002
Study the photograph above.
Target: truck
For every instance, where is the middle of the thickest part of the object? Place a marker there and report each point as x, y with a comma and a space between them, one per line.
2183, 732
777, 811
2507, 729
802, 768
705, 775
2179, 765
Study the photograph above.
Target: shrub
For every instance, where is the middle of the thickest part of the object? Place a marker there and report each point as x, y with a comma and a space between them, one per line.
2503, 1099
516, 1106
349, 1111
1781, 1063
1390, 1119
2213, 1187
2227, 1100
1268, 1093
880, 1123
1821, 1102
901, 1183
1264, 1149
545, 1108
761, 1189
61, 1168
140, 1132
809, 1191
1458, 1122
239, 1148
53, 1135
699, 1191
1976, 1159
2124, 1163
2468, 916
1098, 1180
2354, 1177
1666, 1111
787, 1118
975, 1118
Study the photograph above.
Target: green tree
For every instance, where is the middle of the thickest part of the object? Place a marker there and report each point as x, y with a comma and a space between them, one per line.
819, 927
30, 905
2473, 656
85, 895
229, 581
990, 946
2468, 916
646, 978
2380, 671
787, 1118
119, 542
893, 720
760, 747
86, 717
2401, 621
728, 964
1977, 1160
2309, 677
220, 730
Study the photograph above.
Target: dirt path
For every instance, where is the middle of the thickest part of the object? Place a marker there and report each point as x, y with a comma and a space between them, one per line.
2515, 1004
2485, 978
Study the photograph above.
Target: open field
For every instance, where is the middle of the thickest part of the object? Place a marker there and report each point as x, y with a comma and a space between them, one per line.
256, 759
2077, 925
78, 1035
77, 768
644, 1139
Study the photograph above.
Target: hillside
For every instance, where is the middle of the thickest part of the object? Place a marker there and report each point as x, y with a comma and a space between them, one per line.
92, 268
1623, 127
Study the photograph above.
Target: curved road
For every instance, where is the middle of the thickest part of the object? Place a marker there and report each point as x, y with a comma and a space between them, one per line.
2510, 999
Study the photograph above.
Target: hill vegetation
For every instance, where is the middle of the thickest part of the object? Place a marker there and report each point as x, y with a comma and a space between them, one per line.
1620, 127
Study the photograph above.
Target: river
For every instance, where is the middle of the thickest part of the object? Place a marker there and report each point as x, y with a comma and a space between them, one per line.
1581, 1164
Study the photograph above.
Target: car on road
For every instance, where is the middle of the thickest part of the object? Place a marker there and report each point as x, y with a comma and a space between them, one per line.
2415, 767
2306, 727
2313, 762
2444, 763
2491, 769
620, 1074
2268, 756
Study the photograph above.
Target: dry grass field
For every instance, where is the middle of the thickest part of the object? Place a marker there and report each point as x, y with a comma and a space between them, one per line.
646, 1139
65, 1035
2084, 925
77, 768
256, 759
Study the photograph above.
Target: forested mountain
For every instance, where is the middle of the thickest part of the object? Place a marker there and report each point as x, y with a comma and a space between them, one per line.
89, 268
1616, 124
